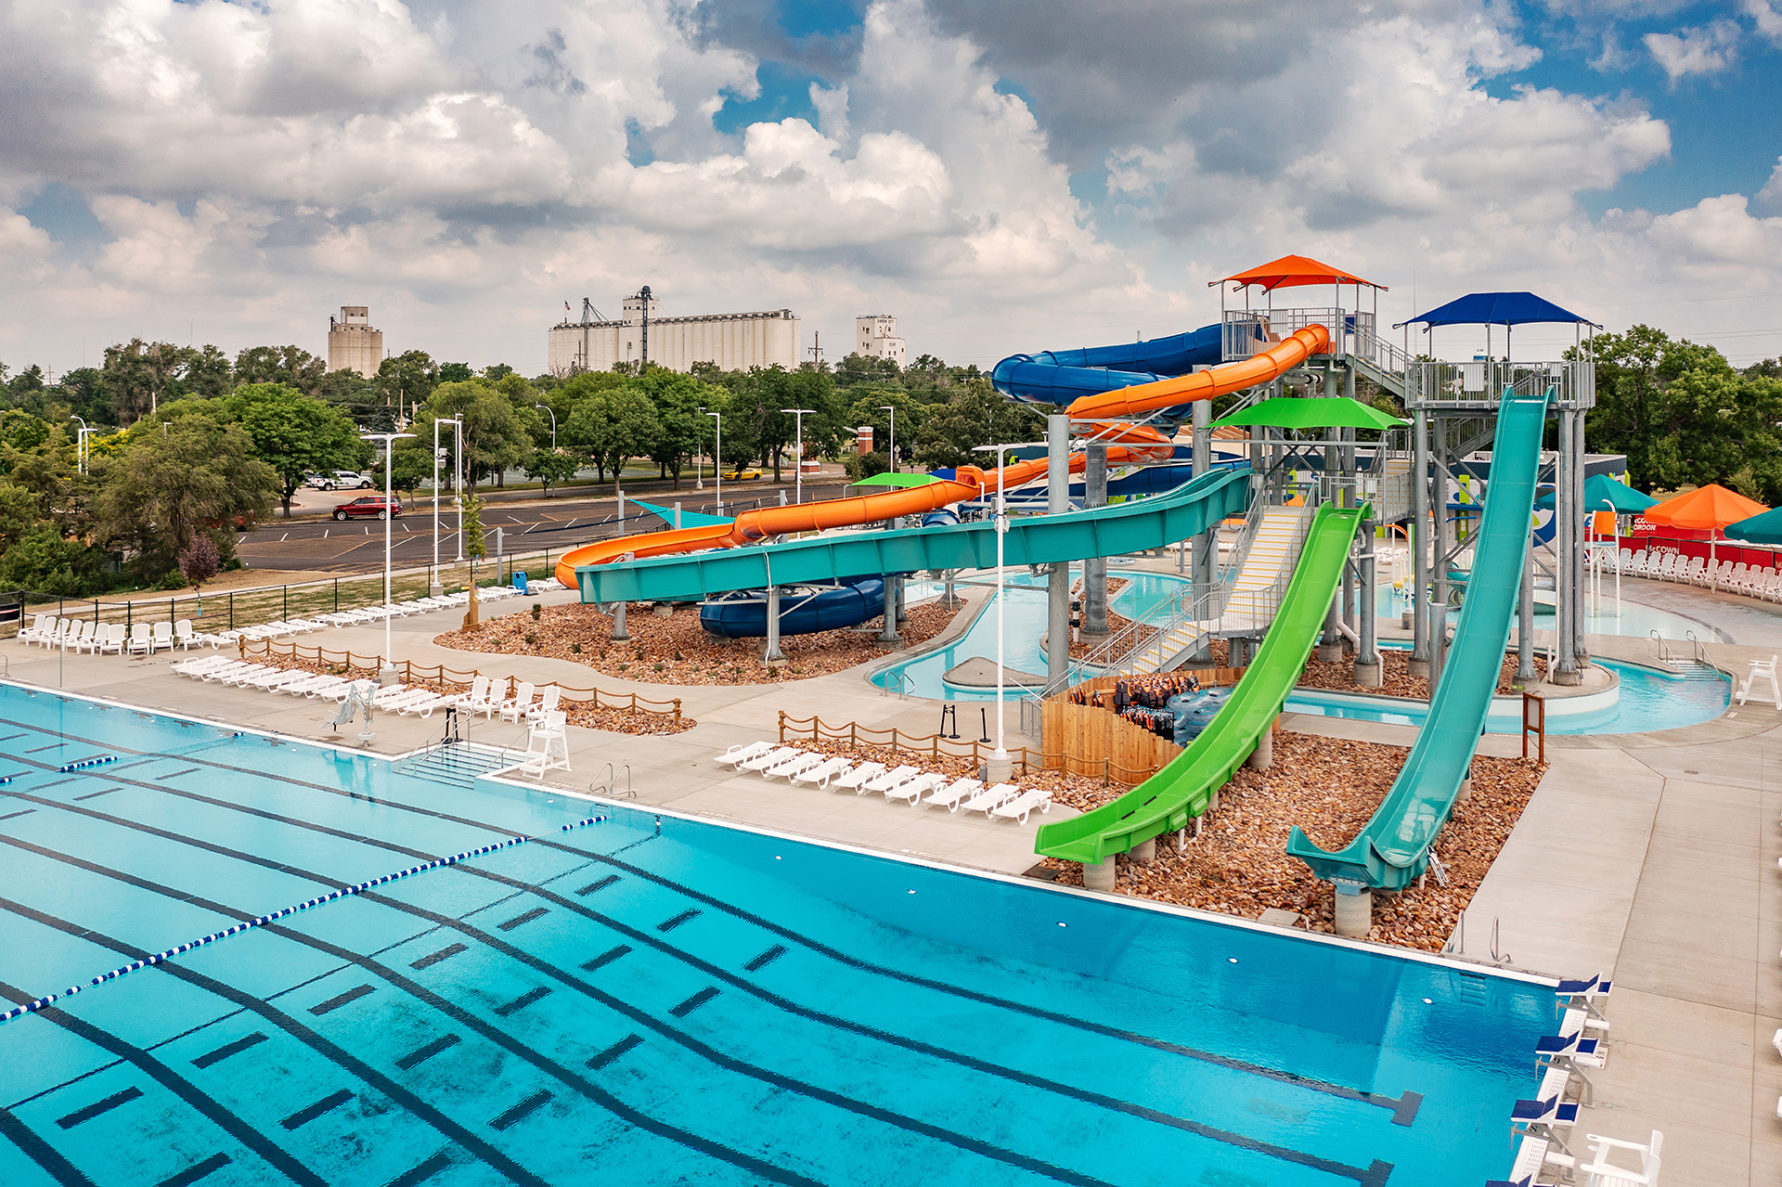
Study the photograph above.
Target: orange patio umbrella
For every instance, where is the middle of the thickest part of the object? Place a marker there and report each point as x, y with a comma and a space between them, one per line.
1709, 508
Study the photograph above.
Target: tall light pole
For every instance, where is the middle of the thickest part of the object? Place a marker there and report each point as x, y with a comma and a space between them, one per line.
718, 459
444, 420
551, 412
699, 462
891, 450
1001, 521
798, 475
80, 445
388, 674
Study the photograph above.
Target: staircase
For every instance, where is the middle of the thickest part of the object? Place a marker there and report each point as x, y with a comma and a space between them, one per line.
456, 764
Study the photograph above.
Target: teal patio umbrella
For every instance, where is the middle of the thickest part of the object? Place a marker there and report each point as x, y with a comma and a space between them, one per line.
1601, 493
1759, 529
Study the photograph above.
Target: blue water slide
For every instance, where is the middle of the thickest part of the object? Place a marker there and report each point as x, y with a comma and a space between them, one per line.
1060, 376
803, 610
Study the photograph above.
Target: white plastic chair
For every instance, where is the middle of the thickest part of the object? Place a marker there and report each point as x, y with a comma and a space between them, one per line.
1601, 1172
517, 706
1762, 671
161, 637
142, 639
547, 704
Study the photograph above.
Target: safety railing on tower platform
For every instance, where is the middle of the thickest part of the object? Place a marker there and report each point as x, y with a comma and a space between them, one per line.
1481, 383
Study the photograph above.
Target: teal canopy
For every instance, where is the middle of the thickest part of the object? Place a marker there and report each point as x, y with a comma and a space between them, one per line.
689, 519
1600, 489
1759, 529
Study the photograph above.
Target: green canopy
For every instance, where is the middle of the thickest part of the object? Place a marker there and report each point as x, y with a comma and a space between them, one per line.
900, 479
1759, 529
1312, 412
1602, 492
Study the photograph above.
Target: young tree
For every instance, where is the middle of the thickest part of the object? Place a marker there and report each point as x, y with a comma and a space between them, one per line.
551, 468
199, 561
476, 546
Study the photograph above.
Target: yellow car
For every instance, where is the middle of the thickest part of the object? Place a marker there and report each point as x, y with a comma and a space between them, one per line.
742, 474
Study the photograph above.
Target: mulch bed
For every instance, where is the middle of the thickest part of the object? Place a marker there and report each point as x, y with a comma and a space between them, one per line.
1395, 675
1329, 787
677, 650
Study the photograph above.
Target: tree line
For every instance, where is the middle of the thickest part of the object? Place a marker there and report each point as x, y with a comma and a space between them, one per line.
186, 446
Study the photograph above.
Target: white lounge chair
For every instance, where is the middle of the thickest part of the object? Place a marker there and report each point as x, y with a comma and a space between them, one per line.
803, 761
300, 688
192, 667
221, 673
772, 758
991, 797
114, 640
854, 779
480, 698
547, 704
77, 638
47, 628
895, 777
411, 698
1022, 805
188, 637
1601, 1172
736, 755
954, 794
161, 636
823, 772
916, 788
273, 681
142, 639
516, 706
41, 624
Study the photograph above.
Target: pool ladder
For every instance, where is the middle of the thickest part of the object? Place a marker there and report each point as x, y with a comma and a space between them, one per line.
606, 783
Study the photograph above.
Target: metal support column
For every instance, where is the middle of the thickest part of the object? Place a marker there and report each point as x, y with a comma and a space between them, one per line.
1525, 669
1565, 509
888, 635
1580, 625
1206, 545
773, 655
1438, 497
1367, 656
1419, 536
1095, 569
1058, 580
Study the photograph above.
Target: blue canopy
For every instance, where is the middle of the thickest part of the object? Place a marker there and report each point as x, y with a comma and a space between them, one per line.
1496, 309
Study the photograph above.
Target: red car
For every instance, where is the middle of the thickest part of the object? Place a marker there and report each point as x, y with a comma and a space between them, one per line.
369, 507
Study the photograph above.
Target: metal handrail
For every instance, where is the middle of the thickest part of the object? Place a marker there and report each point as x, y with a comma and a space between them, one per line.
606, 783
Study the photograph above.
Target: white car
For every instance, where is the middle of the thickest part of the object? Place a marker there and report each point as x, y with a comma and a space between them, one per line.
339, 480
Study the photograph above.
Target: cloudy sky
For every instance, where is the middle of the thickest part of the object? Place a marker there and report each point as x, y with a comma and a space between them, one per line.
1003, 175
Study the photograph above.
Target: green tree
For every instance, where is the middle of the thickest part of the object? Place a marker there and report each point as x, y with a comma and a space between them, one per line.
280, 364
455, 373
138, 375
496, 435
165, 488
295, 434
610, 425
405, 381
551, 467
976, 415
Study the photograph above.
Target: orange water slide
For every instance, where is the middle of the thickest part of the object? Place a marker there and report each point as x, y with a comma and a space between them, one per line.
1127, 443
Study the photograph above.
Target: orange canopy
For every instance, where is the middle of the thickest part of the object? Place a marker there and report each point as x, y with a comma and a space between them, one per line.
1710, 508
1289, 271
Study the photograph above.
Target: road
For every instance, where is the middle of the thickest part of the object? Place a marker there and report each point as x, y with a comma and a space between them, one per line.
530, 526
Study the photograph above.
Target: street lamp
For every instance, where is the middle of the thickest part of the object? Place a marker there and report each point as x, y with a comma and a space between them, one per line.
798, 477
553, 415
1001, 757
388, 674
457, 423
718, 460
80, 445
891, 450
699, 464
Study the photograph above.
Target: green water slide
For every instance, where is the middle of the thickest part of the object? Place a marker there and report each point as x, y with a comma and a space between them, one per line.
1192, 508
1168, 800
1393, 849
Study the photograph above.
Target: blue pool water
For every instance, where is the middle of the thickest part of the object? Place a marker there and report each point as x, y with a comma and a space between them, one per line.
1632, 619
1147, 598
649, 999
1649, 700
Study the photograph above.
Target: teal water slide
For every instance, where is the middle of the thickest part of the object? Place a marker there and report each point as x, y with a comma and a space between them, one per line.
1192, 508
1393, 848
1172, 797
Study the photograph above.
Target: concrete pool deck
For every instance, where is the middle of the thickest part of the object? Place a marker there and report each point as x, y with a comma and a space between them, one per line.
1648, 856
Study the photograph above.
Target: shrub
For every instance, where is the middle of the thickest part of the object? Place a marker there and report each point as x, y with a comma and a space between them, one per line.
575, 649
536, 611
531, 639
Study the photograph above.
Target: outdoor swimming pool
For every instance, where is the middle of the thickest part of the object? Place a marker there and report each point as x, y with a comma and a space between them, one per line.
651, 999
1146, 598
1649, 700
1632, 619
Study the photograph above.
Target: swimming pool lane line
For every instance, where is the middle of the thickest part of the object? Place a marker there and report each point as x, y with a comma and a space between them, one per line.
1370, 1175
213, 1109
1402, 1108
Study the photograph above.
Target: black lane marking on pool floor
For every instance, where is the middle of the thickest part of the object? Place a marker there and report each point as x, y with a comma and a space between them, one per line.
687, 916
433, 958
212, 1109
228, 1049
1394, 1105
994, 1070
309, 1113
523, 1110
340, 999
422, 1172
11, 737
605, 958
317, 1042
54, 1164
98, 1107
693, 1003
599, 884
427, 1051
16, 815
524, 917
93, 795
177, 774
601, 1058
52, 783
766, 958
196, 1172
625, 1112
51, 746
521, 1002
